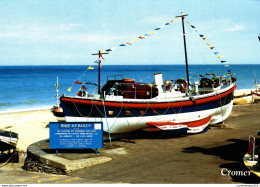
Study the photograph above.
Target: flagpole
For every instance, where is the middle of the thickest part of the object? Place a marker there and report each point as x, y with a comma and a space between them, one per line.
185, 50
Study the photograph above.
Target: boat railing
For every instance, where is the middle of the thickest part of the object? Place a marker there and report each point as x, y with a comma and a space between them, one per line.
115, 77
119, 91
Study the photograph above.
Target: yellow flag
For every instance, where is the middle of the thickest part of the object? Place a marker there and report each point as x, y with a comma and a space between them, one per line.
204, 38
220, 56
188, 22
128, 43
90, 67
69, 90
177, 18
134, 39
152, 32
172, 20
208, 44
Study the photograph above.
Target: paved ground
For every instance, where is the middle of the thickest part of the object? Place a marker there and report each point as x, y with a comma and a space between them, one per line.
156, 159
187, 159
12, 173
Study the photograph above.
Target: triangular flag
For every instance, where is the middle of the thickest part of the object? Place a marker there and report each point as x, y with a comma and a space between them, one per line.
77, 82
222, 61
141, 37
83, 87
96, 61
122, 45
128, 43
157, 29
134, 39
90, 67
192, 26
167, 23
69, 90
188, 22
216, 53
152, 32
111, 49
208, 44
212, 48
147, 35
172, 20
201, 35
204, 38
177, 18
220, 56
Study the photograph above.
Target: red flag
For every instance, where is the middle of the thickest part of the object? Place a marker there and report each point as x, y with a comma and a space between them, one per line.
212, 48
83, 87
100, 56
77, 82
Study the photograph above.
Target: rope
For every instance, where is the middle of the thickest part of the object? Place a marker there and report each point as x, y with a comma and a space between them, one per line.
134, 115
80, 112
162, 113
6, 162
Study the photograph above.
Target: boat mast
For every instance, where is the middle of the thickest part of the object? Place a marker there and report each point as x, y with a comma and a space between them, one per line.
99, 66
185, 50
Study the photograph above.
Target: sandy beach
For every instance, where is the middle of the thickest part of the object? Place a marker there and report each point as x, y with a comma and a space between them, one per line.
30, 126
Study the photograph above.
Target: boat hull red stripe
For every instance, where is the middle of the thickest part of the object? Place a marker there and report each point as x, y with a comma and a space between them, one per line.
157, 105
189, 124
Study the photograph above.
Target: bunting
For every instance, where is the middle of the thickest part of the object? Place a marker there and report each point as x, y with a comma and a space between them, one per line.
150, 33
90, 67
208, 44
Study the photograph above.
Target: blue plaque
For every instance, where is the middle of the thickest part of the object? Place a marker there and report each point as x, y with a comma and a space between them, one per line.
76, 135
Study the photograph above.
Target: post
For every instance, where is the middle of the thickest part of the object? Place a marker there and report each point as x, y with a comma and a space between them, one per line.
185, 50
99, 66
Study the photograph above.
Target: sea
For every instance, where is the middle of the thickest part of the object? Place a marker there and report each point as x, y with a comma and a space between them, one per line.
26, 88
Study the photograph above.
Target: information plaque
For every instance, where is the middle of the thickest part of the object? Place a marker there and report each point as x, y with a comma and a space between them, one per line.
76, 135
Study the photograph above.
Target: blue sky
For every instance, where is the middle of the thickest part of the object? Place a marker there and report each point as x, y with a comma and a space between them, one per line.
66, 32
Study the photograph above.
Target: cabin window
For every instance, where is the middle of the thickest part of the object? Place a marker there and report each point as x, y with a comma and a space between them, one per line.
142, 112
110, 112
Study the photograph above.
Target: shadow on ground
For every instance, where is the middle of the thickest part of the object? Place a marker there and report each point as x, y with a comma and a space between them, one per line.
234, 153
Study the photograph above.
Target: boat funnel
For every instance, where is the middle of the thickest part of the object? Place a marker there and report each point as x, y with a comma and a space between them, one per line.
158, 80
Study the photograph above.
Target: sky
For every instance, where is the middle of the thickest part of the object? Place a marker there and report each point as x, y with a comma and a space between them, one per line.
66, 32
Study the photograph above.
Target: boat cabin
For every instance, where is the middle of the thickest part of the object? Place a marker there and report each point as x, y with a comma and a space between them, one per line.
128, 88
